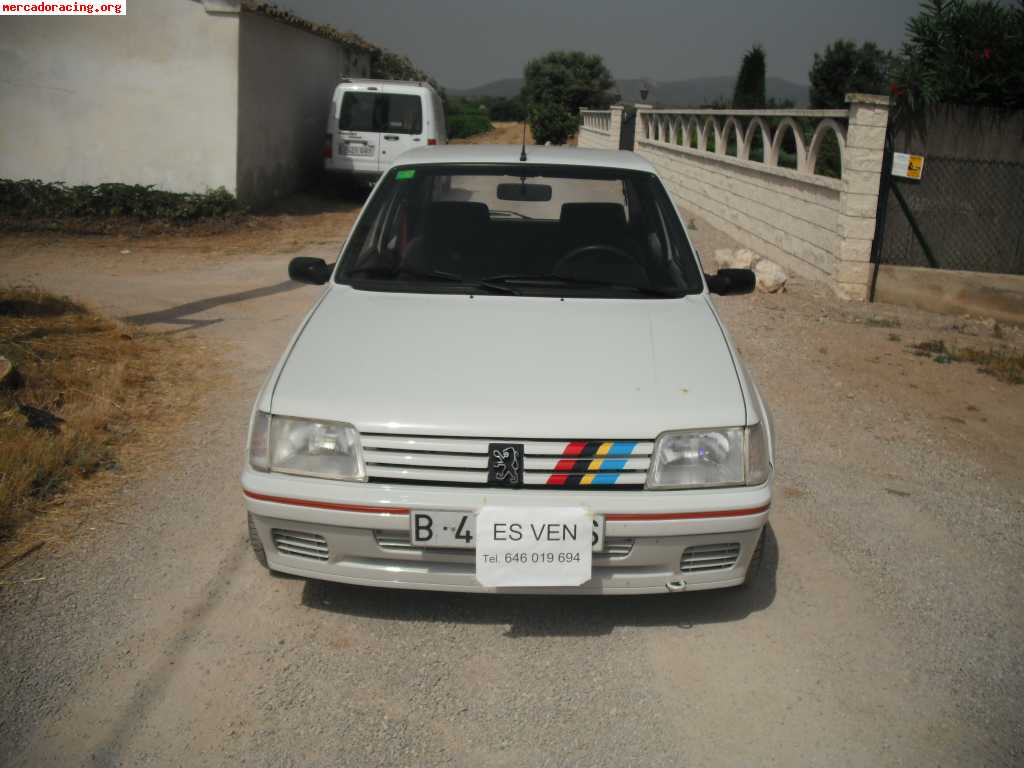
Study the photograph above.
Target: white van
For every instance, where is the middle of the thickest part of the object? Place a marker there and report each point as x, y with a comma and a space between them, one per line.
372, 122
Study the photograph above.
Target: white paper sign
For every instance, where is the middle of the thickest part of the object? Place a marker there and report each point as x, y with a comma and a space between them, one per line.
533, 546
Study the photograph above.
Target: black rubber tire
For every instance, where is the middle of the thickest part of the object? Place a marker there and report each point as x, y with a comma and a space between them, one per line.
257, 545
755, 561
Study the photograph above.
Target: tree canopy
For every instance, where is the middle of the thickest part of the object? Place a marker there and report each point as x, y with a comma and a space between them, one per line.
557, 85
750, 91
846, 68
967, 53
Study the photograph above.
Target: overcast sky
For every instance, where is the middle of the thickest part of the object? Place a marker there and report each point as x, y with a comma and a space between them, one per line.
464, 43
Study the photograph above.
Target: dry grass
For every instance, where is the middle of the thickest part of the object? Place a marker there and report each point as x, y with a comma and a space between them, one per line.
1007, 365
101, 378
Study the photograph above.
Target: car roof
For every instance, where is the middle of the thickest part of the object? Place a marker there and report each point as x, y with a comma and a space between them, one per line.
357, 83
509, 153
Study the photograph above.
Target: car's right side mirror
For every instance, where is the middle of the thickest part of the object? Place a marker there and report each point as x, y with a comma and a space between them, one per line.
731, 282
304, 269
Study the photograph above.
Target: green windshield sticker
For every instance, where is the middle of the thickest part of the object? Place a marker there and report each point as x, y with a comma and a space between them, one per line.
403, 175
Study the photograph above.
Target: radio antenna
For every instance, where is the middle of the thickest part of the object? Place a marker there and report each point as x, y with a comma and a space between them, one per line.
522, 155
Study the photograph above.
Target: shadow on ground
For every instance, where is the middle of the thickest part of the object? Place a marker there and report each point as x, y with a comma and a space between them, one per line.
179, 315
555, 616
329, 196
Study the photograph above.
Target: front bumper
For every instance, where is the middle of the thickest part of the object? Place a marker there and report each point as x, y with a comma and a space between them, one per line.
362, 525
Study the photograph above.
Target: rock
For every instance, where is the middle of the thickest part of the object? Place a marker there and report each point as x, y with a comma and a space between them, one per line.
743, 258
770, 277
8, 373
723, 257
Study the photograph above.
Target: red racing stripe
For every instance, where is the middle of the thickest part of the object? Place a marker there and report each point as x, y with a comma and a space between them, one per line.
326, 504
557, 479
574, 449
688, 515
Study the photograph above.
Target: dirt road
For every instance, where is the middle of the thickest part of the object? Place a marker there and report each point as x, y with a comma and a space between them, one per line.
885, 629
502, 133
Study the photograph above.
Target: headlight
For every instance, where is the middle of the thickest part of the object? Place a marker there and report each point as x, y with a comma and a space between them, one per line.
707, 458
328, 449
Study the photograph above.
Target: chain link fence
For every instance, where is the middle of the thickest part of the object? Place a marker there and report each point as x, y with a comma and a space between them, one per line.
970, 214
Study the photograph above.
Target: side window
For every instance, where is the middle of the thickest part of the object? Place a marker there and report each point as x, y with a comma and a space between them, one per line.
358, 111
402, 114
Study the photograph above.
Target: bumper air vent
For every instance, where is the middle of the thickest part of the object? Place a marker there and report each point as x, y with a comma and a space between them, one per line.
709, 557
311, 546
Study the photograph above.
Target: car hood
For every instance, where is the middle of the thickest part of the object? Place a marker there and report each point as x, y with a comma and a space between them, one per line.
511, 366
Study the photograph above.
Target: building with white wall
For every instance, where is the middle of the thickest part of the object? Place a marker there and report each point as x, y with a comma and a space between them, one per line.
184, 95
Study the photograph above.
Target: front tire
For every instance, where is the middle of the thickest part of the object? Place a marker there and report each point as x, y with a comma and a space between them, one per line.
755, 561
257, 544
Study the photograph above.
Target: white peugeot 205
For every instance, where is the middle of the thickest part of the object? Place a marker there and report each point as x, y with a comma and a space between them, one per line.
514, 380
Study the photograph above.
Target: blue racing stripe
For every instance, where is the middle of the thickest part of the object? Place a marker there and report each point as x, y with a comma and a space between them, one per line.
604, 479
616, 464
621, 448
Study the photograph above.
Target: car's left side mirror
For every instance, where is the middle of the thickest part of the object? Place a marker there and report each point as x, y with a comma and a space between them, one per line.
304, 269
731, 282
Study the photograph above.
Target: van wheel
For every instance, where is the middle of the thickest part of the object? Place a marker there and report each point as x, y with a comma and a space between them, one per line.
755, 562
257, 545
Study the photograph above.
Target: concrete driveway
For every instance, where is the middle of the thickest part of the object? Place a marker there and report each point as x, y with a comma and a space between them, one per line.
884, 630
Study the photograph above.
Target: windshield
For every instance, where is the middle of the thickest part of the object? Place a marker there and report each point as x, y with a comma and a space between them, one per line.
518, 229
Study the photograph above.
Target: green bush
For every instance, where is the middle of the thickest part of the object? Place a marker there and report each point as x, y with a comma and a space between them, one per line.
557, 85
34, 199
467, 124
966, 53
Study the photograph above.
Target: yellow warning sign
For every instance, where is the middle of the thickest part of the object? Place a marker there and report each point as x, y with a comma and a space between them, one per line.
907, 166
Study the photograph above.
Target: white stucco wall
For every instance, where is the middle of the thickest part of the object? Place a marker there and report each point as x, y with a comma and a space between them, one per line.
286, 79
147, 98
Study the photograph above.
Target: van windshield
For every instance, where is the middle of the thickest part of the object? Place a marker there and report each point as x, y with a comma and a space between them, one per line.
518, 229
381, 112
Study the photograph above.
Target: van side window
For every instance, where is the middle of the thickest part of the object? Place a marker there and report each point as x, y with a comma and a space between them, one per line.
402, 114
358, 112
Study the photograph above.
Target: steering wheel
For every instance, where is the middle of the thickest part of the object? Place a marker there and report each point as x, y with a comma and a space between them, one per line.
586, 250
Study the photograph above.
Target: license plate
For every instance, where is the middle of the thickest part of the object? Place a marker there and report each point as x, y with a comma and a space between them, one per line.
457, 530
351, 148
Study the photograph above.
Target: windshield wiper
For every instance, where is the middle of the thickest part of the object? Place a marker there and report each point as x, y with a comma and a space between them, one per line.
569, 281
438, 275
517, 214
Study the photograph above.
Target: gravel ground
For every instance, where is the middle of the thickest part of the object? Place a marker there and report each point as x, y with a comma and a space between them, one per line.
885, 628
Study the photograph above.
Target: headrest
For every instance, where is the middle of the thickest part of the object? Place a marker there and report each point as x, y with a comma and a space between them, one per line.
455, 218
601, 217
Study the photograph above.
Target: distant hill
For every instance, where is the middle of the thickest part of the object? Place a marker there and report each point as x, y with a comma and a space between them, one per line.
678, 93
504, 89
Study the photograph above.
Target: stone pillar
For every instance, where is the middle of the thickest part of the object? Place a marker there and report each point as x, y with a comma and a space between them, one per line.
641, 127
616, 125
858, 199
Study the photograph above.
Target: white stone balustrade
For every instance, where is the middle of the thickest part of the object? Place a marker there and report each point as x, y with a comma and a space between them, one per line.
599, 128
814, 225
693, 128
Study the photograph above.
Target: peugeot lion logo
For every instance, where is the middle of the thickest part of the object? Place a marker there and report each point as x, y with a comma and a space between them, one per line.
505, 464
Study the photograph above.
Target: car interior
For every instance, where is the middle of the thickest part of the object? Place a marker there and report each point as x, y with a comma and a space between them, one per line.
591, 241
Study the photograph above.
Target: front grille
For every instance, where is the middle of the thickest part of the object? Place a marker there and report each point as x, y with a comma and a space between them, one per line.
312, 546
709, 557
547, 464
398, 541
